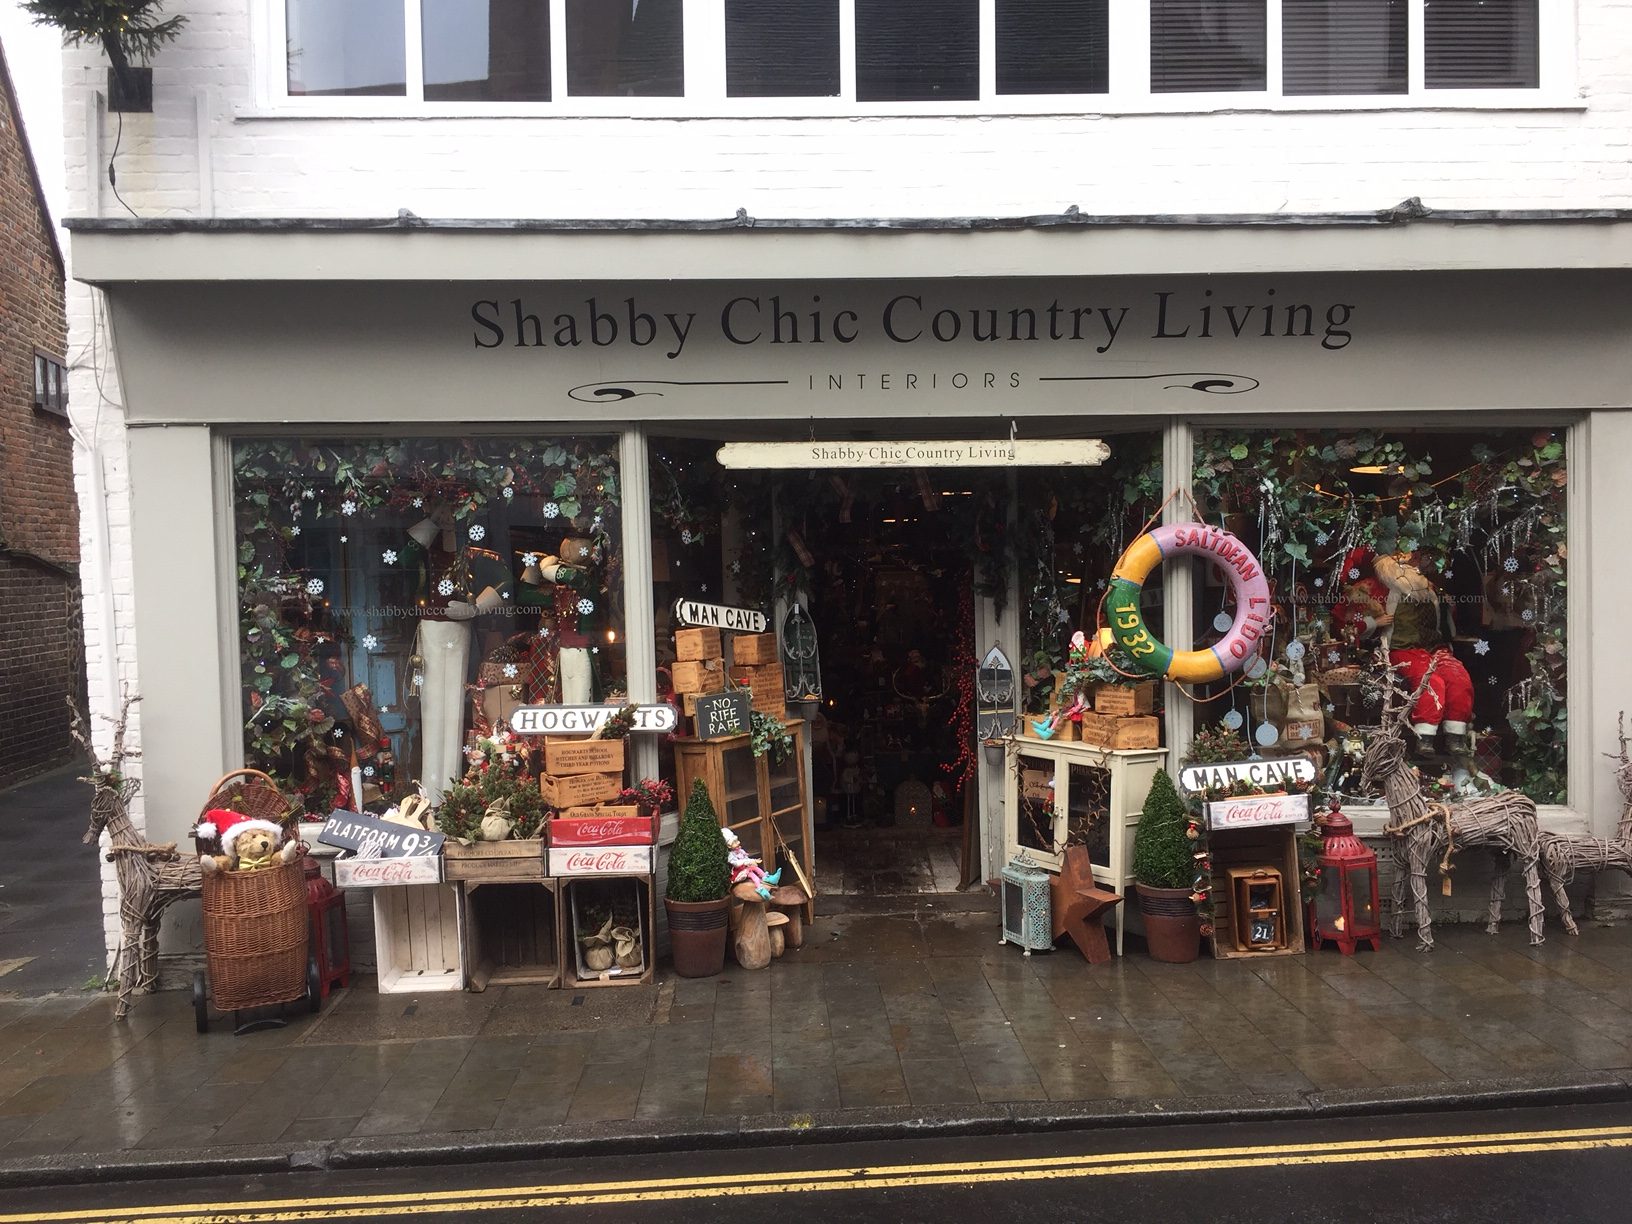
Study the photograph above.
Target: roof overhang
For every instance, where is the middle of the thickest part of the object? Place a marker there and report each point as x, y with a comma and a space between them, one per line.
407, 248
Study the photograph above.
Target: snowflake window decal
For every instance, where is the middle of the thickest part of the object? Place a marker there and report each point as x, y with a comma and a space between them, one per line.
1354, 572
348, 507
1529, 614
586, 606
389, 556
529, 560
1511, 565
368, 771
686, 537
308, 494
508, 492
418, 503
314, 586
445, 587
511, 671
478, 532
1481, 647
295, 530
370, 642
1322, 537
550, 510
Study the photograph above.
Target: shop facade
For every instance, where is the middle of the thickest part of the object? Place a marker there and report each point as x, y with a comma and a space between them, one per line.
373, 425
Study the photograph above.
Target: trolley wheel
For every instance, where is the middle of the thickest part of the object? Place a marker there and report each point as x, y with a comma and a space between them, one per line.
314, 986
201, 1002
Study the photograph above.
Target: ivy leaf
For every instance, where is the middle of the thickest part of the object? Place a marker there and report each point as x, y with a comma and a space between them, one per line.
289, 661
570, 507
1239, 451
1298, 552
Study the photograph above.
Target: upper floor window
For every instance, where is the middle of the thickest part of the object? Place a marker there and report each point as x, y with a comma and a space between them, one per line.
698, 57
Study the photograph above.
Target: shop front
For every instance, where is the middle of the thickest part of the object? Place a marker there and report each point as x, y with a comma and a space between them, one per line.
380, 504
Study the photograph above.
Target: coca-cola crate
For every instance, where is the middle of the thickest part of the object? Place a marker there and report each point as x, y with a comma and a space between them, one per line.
600, 860
603, 826
585, 903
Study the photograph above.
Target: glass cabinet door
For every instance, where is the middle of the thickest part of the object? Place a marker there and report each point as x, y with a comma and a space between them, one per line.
741, 799
1088, 815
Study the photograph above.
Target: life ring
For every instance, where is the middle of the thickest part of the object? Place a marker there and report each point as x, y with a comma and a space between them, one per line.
1253, 610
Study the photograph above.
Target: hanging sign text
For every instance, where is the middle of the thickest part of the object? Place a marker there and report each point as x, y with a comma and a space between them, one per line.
694, 615
723, 714
1031, 452
1265, 774
1256, 811
582, 720
369, 837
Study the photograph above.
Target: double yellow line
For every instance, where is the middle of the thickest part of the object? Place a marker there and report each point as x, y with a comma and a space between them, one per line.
814, 1181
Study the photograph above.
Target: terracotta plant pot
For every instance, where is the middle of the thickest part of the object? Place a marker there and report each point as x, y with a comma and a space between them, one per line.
1172, 926
697, 935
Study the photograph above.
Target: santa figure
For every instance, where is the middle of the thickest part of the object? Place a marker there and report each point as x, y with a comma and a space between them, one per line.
1409, 629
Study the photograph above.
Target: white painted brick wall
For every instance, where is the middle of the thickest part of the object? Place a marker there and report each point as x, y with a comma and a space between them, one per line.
1234, 161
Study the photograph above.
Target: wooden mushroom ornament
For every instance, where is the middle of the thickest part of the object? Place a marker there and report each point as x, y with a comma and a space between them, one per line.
777, 922
751, 943
790, 900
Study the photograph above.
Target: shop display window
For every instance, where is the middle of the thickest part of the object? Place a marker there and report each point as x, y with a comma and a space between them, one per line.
1437, 558
397, 599
346, 47
486, 50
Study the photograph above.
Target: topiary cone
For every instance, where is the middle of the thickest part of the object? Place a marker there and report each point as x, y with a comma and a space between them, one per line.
697, 900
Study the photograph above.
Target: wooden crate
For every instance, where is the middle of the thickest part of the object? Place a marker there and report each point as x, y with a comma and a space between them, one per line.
1120, 734
1122, 700
417, 938
574, 974
704, 676
512, 933
767, 676
754, 648
565, 757
1271, 846
1263, 885
579, 790
695, 645
517, 860
773, 703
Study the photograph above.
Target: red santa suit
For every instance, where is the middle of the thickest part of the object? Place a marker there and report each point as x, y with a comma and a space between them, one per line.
1418, 649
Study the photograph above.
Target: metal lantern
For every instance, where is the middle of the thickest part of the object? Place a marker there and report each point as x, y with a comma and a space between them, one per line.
1345, 907
331, 936
1028, 908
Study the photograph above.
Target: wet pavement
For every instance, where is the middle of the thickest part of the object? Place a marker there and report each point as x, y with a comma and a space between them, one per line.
918, 1009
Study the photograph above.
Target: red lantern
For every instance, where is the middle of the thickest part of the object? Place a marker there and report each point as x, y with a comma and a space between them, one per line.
1345, 909
331, 936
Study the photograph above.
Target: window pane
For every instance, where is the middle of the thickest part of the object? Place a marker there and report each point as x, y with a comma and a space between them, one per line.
341, 47
625, 49
917, 50
777, 49
1482, 44
486, 50
1051, 46
1343, 46
1200, 46
403, 566
1398, 549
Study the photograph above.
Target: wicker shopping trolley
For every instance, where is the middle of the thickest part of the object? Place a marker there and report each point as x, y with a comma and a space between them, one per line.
257, 944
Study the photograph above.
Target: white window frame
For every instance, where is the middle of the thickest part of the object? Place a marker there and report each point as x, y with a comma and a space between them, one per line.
1128, 90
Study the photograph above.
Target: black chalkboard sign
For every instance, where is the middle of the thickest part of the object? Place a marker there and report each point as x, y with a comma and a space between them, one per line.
369, 837
722, 714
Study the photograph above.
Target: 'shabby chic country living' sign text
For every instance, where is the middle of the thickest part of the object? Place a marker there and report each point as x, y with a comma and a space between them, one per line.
965, 453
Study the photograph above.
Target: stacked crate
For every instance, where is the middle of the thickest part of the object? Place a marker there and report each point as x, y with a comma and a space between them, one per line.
757, 666
1121, 718
699, 665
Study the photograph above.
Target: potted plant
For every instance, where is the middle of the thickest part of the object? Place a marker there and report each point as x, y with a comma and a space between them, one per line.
697, 901
1164, 870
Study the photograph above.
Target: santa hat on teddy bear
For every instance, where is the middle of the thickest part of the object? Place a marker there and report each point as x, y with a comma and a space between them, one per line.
229, 826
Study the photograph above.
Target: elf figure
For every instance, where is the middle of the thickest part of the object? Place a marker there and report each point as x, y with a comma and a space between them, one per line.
745, 868
1409, 628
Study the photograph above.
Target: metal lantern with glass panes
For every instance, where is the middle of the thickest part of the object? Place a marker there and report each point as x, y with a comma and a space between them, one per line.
1028, 908
1345, 909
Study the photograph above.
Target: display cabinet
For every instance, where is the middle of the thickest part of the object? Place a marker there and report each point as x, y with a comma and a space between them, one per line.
1059, 793
763, 802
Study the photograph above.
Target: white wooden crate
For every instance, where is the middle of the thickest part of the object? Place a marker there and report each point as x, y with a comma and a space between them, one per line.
418, 933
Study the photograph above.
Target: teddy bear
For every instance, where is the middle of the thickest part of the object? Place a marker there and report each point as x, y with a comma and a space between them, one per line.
247, 843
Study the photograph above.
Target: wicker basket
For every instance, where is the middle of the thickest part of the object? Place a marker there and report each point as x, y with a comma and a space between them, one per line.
251, 792
255, 936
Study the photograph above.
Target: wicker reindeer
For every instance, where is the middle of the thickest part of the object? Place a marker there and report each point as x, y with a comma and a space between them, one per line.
1422, 831
1562, 857
150, 877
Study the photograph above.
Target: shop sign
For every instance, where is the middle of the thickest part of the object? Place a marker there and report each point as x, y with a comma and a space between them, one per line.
723, 714
1257, 811
583, 720
1262, 774
1031, 452
387, 872
694, 615
370, 838
601, 860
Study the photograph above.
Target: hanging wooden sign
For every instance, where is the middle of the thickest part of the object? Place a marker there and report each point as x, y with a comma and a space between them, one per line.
370, 837
583, 719
952, 453
801, 657
694, 615
1267, 775
723, 714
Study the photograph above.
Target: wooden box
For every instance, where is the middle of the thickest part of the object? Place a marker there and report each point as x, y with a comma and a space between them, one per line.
760, 678
703, 676
753, 648
695, 645
1120, 734
632, 897
773, 703
1276, 847
512, 933
519, 860
1258, 907
601, 860
602, 826
1125, 699
417, 938
564, 757
580, 789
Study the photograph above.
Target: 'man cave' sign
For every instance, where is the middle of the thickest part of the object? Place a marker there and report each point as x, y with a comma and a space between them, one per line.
1266, 775
370, 838
694, 615
583, 720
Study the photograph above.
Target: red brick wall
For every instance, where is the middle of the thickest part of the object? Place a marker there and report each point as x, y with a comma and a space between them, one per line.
41, 647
